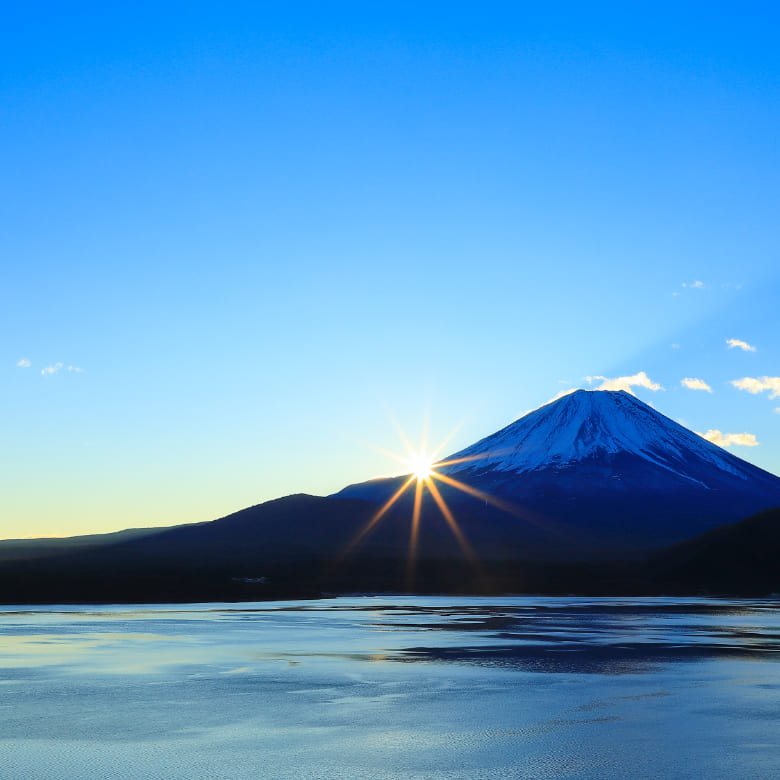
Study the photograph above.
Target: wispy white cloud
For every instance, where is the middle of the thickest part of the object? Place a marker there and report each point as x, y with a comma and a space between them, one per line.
24, 363
675, 346
727, 439
697, 285
625, 382
777, 410
743, 345
759, 384
696, 384
57, 367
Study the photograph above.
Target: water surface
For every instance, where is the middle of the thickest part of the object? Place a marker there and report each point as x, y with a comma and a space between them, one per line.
393, 687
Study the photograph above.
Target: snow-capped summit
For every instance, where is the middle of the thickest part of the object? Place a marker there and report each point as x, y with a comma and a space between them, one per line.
595, 424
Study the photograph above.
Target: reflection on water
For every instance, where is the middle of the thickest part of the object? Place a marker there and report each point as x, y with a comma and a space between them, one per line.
393, 687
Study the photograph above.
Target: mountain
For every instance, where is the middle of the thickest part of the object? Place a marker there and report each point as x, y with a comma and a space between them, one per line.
598, 425
275, 549
579, 496
594, 474
736, 557
47, 547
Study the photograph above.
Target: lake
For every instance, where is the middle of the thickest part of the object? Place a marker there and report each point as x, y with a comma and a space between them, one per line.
393, 687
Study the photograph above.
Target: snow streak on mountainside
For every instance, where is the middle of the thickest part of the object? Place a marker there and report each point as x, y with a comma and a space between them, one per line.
589, 425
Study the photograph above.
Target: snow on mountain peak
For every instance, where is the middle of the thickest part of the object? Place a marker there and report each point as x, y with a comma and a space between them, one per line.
593, 424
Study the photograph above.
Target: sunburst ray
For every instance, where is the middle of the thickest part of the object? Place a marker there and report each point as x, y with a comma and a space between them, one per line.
401, 435
411, 561
472, 491
376, 518
468, 551
470, 458
504, 506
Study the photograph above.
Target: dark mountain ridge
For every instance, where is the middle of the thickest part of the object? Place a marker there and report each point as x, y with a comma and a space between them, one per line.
736, 557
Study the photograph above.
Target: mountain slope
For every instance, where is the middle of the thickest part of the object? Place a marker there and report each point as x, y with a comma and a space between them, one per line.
594, 425
733, 558
595, 474
274, 549
48, 547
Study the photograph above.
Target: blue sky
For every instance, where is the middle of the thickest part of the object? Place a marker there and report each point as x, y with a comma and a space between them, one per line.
261, 233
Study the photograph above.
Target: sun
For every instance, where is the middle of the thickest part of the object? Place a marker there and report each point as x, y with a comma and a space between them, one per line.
420, 466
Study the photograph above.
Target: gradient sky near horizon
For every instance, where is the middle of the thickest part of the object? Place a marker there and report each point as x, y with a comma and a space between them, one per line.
238, 242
